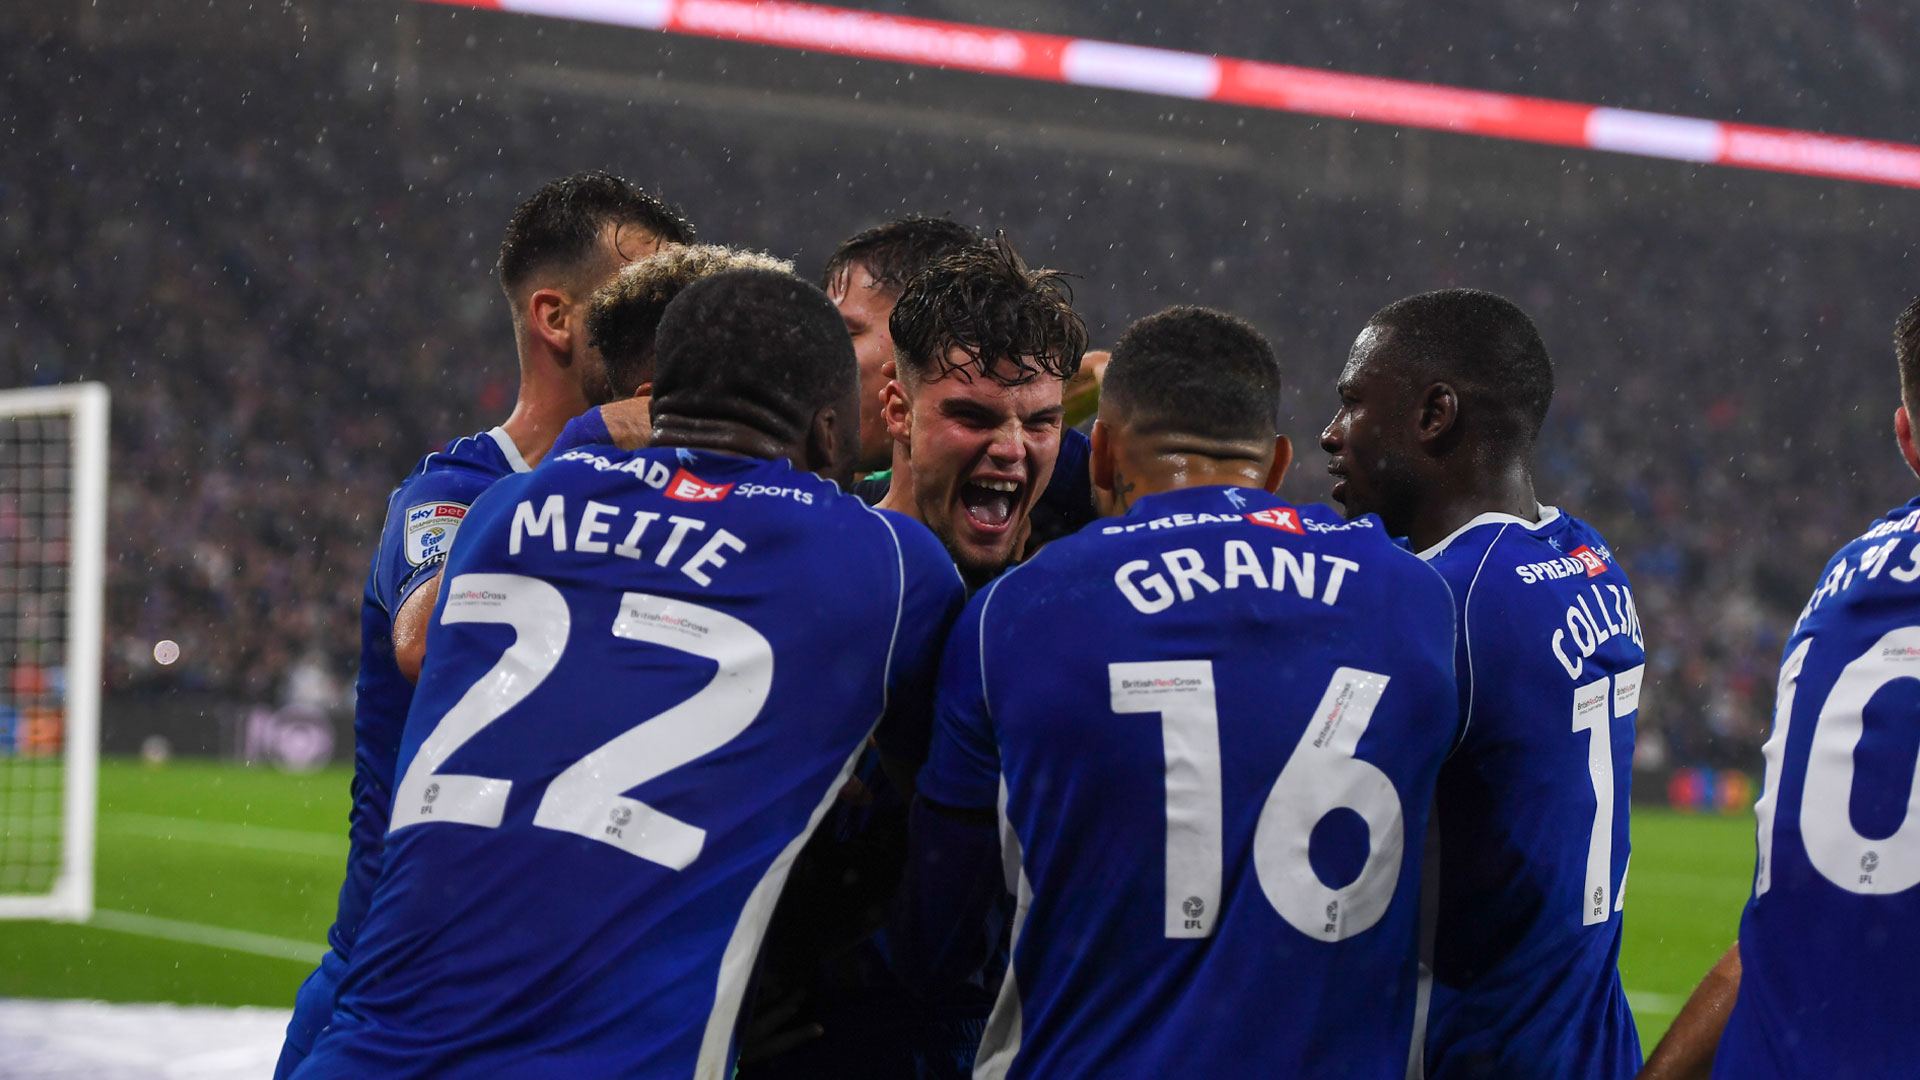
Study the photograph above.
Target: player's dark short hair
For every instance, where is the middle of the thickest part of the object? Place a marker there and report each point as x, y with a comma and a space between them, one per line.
759, 347
897, 250
1484, 345
1195, 371
985, 303
1906, 350
562, 221
624, 313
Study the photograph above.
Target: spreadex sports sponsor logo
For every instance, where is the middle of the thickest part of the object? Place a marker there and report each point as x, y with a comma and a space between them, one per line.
1283, 518
686, 487
681, 485
1908, 523
1582, 561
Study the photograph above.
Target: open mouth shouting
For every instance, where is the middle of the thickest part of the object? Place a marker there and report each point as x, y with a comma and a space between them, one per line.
990, 502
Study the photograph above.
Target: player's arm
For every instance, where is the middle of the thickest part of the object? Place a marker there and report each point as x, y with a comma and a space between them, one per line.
626, 423
431, 508
939, 931
932, 597
410, 628
1686, 1050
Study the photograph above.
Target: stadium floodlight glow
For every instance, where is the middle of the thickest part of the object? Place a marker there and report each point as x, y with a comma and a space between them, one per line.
1257, 84
53, 486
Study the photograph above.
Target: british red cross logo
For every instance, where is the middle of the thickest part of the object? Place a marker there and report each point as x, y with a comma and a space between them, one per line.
1595, 566
686, 487
1284, 518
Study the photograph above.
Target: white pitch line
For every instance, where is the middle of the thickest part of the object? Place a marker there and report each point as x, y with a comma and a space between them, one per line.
217, 937
257, 837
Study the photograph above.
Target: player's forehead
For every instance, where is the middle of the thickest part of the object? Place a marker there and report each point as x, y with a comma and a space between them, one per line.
1367, 361
860, 295
964, 388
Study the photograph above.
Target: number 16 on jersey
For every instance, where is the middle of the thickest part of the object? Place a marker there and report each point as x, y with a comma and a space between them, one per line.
1321, 775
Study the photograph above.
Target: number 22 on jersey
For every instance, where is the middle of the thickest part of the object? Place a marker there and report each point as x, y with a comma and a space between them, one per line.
586, 798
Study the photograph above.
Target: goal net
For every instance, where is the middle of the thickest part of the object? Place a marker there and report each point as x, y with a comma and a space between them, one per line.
53, 472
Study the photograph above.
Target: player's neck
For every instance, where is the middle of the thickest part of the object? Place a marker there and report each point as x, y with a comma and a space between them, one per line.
1504, 490
899, 496
544, 407
1176, 472
673, 432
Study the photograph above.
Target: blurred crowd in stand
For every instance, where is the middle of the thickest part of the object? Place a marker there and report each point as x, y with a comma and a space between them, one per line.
286, 283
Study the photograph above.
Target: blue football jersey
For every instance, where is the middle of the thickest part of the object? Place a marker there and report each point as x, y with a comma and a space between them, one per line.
651, 673
423, 515
1529, 845
1831, 937
1216, 864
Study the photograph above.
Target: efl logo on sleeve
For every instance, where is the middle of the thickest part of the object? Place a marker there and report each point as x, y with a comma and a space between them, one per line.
686, 487
1594, 564
430, 529
1284, 518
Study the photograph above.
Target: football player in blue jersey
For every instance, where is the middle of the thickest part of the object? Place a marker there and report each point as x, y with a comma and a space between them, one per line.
1821, 982
1210, 728
621, 319
975, 407
983, 347
560, 245
1441, 404
865, 276
653, 671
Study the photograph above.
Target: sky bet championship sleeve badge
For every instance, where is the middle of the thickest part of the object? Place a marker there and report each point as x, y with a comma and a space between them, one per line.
430, 529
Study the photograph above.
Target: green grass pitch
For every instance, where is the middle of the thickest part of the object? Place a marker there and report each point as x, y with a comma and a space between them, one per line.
216, 882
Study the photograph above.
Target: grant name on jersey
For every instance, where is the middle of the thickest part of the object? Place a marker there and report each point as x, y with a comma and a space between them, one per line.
1238, 564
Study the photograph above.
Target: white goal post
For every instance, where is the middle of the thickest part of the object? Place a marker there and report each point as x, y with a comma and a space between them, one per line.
53, 508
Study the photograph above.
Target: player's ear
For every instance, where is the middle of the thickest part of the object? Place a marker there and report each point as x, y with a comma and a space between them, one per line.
1101, 467
894, 406
1903, 434
1100, 460
550, 318
1282, 457
1439, 410
829, 447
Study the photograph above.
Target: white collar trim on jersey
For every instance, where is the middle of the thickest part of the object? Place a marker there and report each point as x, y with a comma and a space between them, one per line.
1547, 515
505, 440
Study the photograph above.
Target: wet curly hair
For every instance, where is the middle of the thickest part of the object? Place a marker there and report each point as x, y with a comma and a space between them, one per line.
1007, 322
